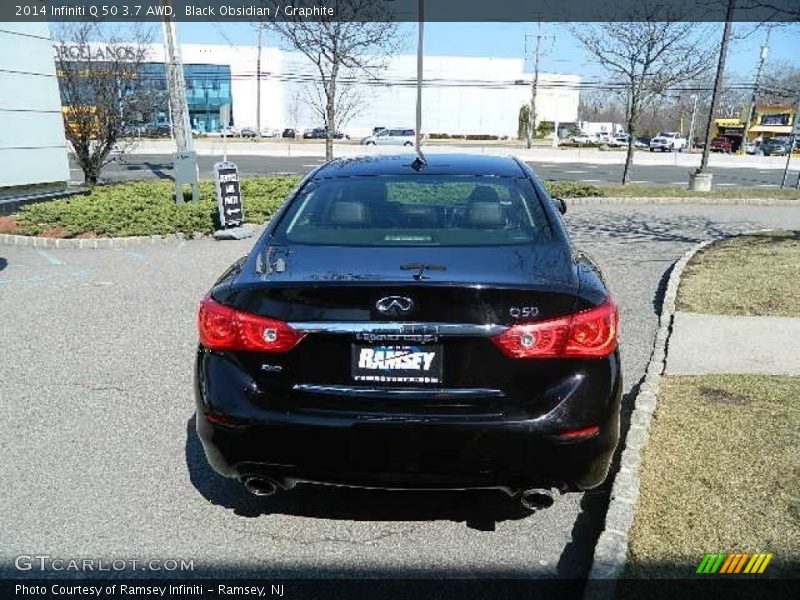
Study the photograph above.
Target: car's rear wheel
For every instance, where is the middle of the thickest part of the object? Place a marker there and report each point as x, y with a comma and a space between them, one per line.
407, 144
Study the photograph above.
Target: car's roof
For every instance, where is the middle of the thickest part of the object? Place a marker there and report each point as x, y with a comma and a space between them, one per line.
437, 164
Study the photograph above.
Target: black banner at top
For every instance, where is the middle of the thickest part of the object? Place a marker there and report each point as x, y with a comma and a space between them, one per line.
398, 10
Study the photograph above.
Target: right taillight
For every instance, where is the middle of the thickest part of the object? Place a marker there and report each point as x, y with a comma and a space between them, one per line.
224, 328
589, 334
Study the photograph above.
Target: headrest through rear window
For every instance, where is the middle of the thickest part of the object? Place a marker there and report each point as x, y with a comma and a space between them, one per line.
486, 214
348, 213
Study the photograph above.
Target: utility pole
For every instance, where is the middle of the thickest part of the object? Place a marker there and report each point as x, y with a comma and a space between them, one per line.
260, 26
701, 181
751, 109
792, 146
185, 163
692, 122
532, 115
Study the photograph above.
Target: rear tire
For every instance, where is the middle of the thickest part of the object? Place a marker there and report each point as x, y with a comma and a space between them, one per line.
408, 144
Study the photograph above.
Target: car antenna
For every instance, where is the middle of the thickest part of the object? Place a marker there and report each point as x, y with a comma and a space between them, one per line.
419, 162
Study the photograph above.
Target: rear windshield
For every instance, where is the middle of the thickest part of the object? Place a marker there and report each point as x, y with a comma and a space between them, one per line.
424, 210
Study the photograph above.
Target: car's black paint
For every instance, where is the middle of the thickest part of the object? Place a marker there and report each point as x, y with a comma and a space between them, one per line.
328, 430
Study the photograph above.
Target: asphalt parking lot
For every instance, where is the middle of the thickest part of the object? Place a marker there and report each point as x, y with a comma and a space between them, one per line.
159, 166
100, 458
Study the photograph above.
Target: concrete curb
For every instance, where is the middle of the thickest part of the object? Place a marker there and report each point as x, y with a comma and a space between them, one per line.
8, 239
600, 200
611, 551
92, 243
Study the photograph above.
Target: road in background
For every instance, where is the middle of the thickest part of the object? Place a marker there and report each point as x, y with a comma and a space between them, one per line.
155, 166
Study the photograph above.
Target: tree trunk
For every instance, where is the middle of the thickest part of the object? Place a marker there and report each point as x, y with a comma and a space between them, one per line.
330, 114
632, 115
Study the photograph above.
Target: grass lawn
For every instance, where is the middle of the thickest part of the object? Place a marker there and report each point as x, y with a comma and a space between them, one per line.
721, 473
745, 275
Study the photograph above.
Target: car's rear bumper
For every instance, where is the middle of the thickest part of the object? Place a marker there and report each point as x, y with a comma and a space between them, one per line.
407, 451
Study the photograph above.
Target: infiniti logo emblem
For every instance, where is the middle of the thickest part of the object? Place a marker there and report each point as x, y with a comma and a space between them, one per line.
394, 306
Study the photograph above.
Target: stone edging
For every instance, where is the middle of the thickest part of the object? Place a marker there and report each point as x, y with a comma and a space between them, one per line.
611, 551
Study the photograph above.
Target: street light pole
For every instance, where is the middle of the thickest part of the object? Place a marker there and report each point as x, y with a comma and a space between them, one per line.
420, 54
258, 80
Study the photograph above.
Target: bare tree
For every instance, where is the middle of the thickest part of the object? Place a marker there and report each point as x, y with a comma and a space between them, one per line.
356, 44
650, 53
102, 89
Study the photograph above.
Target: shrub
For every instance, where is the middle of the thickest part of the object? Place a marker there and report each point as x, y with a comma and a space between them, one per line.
572, 189
148, 208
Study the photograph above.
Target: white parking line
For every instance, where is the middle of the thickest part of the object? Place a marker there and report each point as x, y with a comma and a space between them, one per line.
721, 184
49, 258
592, 180
767, 185
576, 172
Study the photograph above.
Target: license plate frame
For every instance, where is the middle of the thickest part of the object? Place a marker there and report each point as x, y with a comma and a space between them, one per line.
397, 364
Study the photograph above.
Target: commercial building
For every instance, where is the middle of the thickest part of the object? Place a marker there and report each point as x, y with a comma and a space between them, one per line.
33, 149
462, 95
769, 120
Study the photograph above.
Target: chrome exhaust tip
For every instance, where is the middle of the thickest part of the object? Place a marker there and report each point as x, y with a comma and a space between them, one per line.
536, 498
260, 487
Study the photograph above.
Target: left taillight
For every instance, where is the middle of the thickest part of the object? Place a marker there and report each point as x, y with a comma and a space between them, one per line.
588, 334
224, 328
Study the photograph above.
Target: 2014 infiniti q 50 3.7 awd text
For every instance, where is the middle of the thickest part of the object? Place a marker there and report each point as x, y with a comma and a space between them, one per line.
412, 325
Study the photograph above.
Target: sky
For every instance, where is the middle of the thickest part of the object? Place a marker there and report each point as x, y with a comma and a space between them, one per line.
561, 53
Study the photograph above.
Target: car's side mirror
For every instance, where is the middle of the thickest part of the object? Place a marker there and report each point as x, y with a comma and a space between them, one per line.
561, 205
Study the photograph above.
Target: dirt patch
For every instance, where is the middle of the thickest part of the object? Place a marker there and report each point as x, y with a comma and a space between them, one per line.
55, 232
8, 225
717, 396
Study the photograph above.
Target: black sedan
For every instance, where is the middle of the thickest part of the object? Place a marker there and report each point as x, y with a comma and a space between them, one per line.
410, 325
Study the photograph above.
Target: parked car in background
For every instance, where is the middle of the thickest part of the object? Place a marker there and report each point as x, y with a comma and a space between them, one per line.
249, 132
776, 146
289, 133
641, 143
581, 138
751, 147
396, 136
320, 133
668, 141
229, 131
721, 144
398, 327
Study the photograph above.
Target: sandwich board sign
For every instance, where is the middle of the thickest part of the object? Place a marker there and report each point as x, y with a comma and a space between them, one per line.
229, 195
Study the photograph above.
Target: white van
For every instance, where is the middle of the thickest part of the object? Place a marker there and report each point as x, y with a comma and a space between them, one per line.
393, 136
